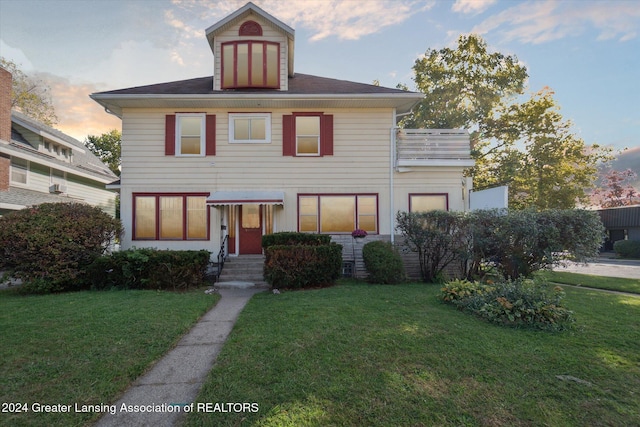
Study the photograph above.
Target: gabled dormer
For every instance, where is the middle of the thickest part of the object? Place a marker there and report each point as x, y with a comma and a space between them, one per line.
251, 49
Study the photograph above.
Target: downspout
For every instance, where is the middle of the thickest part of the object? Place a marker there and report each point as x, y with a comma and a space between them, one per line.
392, 165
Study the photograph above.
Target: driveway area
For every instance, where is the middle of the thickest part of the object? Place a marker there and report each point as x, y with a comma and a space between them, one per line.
607, 266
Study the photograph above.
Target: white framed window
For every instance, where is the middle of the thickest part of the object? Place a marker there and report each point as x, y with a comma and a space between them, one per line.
19, 171
190, 134
251, 128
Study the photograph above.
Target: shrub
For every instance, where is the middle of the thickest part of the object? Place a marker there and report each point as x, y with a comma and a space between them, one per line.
302, 266
383, 262
627, 248
519, 243
49, 246
439, 238
149, 269
518, 303
294, 238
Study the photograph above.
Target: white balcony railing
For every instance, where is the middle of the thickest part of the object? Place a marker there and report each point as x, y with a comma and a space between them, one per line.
433, 147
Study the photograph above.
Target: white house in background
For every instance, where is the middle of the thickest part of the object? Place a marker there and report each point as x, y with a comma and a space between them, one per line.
257, 148
39, 164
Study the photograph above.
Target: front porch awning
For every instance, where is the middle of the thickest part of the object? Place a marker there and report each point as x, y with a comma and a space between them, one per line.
242, 197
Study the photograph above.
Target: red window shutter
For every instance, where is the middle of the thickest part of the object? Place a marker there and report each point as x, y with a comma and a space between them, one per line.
326, 135
170, 135
288, 136
210, 135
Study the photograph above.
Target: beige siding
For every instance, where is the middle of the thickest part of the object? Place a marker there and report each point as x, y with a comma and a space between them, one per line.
269, 33
360, 164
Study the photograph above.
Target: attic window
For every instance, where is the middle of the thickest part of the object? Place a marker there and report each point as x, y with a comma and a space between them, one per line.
248, 64
250, 28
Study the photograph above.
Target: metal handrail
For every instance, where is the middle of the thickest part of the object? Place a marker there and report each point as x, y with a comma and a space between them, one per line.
222, 255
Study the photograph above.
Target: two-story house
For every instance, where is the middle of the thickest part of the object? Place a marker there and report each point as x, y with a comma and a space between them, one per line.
39, 164
257, 148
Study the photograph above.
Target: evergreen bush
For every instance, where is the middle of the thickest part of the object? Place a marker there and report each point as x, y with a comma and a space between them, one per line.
627, 248
294, 238
302, 266
149, 269
383, 262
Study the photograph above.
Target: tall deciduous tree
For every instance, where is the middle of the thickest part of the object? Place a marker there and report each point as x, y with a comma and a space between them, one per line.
30, 95
107, 148
528, 146
549, 167
464, 85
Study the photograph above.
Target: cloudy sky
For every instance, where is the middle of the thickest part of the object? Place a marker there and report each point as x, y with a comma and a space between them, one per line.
587, 51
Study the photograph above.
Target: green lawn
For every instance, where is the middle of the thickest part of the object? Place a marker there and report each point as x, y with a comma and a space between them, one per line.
371, 355
85, 347
598, 282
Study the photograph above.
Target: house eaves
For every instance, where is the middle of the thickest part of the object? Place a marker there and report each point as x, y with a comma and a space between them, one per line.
34, 156
116, 103
305, 91
27, 123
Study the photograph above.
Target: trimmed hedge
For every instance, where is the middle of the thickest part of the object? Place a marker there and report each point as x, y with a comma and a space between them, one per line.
302, 266
627, 248
149, 269
294, 238
383, 263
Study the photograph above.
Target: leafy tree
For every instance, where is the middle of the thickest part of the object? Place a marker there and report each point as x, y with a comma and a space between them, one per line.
528, 145
463, 86
553, 169
616, 189
30, 95
107, 148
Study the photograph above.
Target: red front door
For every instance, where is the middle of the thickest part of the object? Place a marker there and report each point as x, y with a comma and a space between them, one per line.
250, 230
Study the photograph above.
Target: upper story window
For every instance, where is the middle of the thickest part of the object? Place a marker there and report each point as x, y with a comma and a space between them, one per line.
190, 135
250, 128
19, 170
250, 28
250, 64
190, 130
307, 134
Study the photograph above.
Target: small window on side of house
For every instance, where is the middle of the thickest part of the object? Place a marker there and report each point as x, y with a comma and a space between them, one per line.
428, 202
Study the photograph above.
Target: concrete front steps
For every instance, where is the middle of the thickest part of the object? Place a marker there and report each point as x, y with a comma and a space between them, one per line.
243, 271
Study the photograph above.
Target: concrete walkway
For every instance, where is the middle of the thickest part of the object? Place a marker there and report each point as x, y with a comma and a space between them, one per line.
174, 382
607, 266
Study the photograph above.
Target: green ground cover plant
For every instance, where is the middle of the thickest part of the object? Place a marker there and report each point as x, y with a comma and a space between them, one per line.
591, 281
85, 347
358, 354
523, 303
